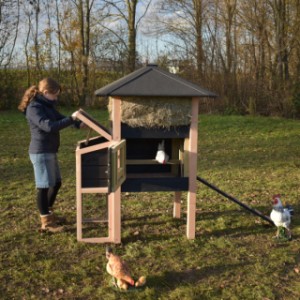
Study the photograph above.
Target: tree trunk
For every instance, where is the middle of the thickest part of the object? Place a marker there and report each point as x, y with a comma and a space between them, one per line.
199, 43
131, 7
36, 35
280, 20
59, 40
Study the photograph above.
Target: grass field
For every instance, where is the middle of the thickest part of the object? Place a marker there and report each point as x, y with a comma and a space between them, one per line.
234, 255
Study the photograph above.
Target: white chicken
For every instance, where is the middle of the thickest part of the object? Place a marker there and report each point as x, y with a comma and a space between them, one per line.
161, 156
281, 217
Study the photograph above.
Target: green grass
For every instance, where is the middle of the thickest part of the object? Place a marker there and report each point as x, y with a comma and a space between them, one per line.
234, 255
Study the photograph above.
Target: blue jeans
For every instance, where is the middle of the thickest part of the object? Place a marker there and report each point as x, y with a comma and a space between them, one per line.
46, 169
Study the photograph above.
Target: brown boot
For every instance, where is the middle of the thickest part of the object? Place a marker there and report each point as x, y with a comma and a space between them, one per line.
58, 220
48, 224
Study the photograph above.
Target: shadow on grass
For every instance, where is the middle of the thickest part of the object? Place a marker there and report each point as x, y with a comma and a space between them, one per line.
206, 215
238, 232
171, 279
160, 227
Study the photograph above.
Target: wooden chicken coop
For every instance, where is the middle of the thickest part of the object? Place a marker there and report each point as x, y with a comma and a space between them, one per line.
148, 107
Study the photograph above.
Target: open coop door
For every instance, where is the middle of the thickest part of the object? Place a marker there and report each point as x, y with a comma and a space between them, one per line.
100, 168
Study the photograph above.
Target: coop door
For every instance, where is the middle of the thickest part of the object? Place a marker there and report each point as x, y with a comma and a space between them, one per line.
117, 165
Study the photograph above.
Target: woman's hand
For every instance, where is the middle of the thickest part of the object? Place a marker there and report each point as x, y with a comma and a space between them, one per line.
74, 115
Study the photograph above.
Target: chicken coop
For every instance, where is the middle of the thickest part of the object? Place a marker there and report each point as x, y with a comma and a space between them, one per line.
150, 147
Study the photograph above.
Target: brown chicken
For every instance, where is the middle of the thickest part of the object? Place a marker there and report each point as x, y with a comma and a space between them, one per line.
118, 268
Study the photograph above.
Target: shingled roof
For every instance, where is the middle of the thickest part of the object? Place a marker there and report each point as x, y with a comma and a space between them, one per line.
153, 81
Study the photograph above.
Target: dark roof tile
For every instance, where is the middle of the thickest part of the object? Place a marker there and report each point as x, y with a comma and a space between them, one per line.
153, 81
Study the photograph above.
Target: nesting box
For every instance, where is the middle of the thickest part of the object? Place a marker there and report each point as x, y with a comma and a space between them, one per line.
143, 172
147, 108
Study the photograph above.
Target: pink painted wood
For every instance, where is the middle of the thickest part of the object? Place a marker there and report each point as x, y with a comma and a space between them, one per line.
114, 199
193, 147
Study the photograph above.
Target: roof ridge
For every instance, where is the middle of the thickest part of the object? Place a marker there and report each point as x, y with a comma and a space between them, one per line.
159, 83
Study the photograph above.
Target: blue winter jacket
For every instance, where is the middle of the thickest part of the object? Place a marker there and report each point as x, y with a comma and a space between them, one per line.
45, 122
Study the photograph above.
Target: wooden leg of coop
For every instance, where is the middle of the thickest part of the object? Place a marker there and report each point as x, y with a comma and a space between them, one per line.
78, 196
193, 146
114, 216
115, 197
79, 216
177, 205
191, 215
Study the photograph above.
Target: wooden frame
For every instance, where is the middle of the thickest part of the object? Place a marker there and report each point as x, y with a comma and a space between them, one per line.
114, 199
117, 152
184, 154
192, 164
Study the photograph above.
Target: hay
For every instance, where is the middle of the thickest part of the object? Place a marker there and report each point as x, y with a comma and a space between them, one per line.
154, 112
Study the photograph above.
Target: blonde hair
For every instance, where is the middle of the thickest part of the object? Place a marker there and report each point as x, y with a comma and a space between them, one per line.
46, 84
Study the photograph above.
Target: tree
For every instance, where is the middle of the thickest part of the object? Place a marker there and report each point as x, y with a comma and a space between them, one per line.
74, 34
9, 28
182, 24
36, 6
125, 11
84, 13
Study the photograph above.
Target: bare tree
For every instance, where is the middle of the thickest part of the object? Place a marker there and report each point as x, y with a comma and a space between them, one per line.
9, 29
58, 30
36, 7
84, 15
26, 50
125, 11
182, 24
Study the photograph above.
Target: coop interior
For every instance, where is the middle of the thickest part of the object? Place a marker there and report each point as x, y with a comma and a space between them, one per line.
145, 174
94, 164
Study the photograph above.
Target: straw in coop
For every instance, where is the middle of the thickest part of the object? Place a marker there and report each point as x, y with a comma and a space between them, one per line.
149, 112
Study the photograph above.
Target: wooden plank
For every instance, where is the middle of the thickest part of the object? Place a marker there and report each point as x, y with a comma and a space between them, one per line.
177, 205
101, 190
94, 220
193, 142
155, 184
100, 240
92, 123
114, 216
94, 148
151, 162
116, 119
78, 197
114, 199
186, 157
151, 175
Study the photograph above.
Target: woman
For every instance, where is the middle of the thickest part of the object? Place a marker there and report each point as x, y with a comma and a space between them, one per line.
45, 122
